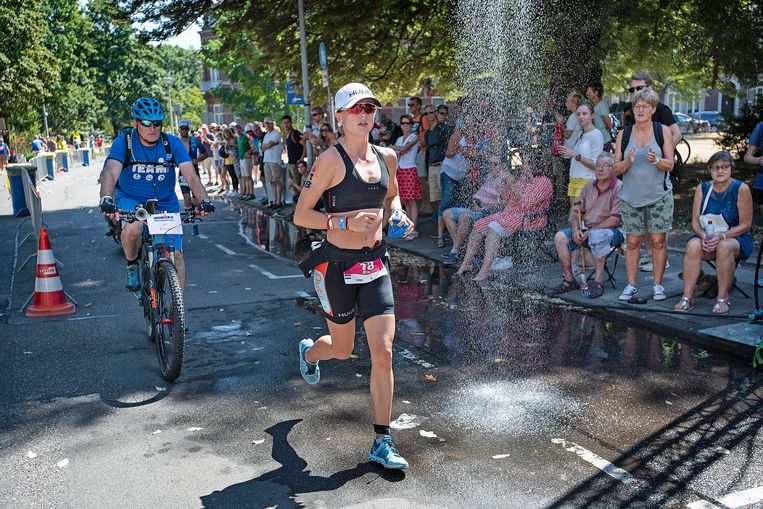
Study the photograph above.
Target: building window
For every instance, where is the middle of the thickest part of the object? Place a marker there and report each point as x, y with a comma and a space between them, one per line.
214, 75
217, 112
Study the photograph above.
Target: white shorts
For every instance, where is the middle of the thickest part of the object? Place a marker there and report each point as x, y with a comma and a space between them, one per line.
246, 167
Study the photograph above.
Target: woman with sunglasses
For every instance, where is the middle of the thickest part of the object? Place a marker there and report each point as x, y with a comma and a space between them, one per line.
326, 140
409, 186
350, 268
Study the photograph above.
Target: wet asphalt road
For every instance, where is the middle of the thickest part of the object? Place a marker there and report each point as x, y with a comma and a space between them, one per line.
518, 405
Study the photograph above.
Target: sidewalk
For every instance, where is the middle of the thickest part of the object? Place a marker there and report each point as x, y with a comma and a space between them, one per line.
733, 333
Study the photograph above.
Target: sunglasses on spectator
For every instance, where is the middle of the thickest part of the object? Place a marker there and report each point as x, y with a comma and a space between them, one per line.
405, 123
721, 167
442, 112
149, 123
430, 112
316, 114
636, 89
325, 130
184, 128
361, 108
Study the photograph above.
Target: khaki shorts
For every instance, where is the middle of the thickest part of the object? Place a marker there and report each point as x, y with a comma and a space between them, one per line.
273, 172
246, 167
576, 186
654, 218
237, 167
293, 173
435, 193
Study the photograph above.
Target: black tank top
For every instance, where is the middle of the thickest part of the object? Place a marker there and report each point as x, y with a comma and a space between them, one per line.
354, 193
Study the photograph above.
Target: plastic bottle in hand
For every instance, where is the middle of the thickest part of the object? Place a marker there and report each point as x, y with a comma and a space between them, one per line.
709, 232
395, 231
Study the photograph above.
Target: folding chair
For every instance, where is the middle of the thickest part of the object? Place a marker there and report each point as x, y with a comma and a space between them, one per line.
618, 251
734, 286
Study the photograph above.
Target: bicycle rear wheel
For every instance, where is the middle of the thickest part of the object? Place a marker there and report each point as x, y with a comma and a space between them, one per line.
170, 337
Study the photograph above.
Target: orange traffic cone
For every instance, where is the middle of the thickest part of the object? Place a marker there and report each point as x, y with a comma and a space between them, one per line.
49, 297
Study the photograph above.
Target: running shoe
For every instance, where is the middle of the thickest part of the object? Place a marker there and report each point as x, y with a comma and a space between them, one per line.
194, 230
310, 371
658, 292
387, 454
450, 259
133, 277
629, 292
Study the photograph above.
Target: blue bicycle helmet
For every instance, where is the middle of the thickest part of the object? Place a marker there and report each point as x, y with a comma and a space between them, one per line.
147, 108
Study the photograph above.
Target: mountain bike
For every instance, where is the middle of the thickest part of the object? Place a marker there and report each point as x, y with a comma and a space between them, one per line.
160, 294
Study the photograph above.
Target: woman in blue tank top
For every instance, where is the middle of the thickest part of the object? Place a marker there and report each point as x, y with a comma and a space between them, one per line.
730, 200
350, 269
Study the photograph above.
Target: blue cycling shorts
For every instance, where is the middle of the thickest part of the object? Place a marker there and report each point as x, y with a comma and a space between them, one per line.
126, 202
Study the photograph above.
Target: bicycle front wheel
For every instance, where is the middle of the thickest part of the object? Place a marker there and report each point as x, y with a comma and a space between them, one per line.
170, 337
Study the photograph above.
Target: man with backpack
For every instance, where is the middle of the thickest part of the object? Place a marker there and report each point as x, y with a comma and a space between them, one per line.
141, 166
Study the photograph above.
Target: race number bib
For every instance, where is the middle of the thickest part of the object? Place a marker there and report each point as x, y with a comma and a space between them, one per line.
365, 272
166, 223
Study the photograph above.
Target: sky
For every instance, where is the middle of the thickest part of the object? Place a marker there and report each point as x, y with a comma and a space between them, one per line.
188, 39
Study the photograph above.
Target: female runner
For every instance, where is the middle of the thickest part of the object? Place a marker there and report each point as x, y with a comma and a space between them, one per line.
351, 267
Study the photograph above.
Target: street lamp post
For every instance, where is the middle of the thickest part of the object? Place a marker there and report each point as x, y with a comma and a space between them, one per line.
169, 80
45, 120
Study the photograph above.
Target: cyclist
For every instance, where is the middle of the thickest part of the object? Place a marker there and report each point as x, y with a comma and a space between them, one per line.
141, 165
198, 154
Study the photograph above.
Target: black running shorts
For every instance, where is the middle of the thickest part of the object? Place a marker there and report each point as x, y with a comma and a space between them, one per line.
339, 299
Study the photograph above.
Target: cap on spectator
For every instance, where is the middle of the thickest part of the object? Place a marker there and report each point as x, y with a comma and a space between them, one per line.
232, 124
351, 94
268, 119
184, 123
248, 127
256, 124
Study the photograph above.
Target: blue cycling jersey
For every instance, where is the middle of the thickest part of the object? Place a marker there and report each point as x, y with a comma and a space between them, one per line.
145, 181
196, 147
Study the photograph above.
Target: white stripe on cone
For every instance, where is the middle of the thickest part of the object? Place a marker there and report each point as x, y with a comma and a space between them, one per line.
45, 256
48, 284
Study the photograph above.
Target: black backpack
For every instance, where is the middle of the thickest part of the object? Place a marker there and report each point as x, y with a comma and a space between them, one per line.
658, 138
128, 152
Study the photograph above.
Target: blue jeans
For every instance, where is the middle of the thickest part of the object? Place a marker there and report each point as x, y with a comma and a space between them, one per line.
448, 193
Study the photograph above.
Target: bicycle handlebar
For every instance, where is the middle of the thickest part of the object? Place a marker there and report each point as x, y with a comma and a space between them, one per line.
141, 214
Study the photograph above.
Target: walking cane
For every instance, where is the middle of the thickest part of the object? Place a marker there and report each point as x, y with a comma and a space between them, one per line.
581, 277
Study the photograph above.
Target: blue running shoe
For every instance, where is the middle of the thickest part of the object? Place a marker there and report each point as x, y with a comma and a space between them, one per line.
194, 230
387, 454
133, 278
310, 372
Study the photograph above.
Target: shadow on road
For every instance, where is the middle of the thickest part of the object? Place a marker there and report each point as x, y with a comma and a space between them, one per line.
680, 453
279, 487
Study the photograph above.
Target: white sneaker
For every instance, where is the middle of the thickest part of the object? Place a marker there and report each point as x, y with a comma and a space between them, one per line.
649, 267
629, 292
658, 292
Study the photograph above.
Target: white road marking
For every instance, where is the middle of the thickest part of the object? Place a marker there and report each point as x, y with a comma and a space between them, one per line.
270, 275
414, 358
597, 461
202, 236
735, 499
225, 250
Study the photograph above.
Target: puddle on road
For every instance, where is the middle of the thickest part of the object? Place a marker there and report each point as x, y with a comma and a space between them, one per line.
460, 322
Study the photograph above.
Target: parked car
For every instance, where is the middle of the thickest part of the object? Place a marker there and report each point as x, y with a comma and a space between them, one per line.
686, 124
714, 118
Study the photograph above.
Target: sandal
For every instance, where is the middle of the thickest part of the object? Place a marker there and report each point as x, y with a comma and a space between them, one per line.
412, 236
564, 287
440, 242
684, 305
718, 310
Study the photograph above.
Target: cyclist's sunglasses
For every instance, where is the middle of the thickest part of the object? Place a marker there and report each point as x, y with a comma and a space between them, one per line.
636, 89
361, 108
149, 123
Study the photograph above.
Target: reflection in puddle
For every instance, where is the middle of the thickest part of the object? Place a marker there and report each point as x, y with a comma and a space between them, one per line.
463, 323
276, 235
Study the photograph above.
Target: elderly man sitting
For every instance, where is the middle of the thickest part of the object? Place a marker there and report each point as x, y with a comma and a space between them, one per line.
594, 222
